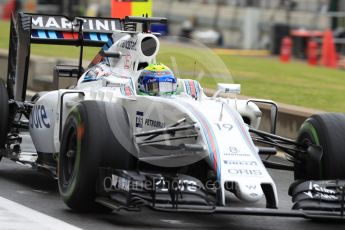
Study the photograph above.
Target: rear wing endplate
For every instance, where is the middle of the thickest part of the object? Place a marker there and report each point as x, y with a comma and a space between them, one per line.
50, 29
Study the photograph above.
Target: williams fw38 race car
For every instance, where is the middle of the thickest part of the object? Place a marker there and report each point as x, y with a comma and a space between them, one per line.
131, 135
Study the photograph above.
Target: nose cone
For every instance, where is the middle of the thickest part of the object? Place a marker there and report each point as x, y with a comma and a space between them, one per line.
249, 192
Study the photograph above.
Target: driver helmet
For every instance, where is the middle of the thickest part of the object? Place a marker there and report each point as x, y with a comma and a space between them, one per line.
157, 80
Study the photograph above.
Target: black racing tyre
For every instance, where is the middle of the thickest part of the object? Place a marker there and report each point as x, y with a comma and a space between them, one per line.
88, 143
328, 131
4, 107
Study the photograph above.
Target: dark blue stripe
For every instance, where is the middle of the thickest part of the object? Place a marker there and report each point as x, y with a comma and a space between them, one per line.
59, 35
87, 36
34, 33
105, 47
200, 117
110, 41
187, 87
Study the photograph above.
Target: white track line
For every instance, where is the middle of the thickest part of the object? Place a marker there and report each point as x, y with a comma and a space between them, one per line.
15, 216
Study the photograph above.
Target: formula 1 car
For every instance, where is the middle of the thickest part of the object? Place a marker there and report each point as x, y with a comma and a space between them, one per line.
113, 148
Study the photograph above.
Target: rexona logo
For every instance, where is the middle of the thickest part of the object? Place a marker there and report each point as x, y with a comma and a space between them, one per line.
233, 151
39, 118
62, 23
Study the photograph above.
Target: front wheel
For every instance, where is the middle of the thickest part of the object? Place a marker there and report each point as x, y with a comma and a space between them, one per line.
327, 131
88, 143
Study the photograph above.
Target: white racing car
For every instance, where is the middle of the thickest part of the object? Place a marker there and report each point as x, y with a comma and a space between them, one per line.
130, 134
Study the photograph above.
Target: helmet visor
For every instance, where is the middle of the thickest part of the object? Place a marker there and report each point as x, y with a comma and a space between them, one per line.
160, 87
152, 87
167, 87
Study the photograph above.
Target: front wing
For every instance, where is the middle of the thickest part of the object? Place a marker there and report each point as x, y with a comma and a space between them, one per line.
133, 190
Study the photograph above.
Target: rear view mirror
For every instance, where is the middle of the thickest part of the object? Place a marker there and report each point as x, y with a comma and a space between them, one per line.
65, 71
228, 89
111, 54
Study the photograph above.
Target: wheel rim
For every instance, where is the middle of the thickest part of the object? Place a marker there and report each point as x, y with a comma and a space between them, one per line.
70, 155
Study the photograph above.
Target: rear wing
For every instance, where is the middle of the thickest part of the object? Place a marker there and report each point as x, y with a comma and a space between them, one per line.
60, 30
27, 29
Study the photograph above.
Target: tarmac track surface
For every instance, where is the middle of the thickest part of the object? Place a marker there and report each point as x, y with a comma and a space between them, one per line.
39, 192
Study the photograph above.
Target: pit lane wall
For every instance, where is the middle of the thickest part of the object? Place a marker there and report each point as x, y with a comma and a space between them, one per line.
290, 117
40, 71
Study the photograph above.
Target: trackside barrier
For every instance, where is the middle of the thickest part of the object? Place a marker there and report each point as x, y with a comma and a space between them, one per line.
290, 117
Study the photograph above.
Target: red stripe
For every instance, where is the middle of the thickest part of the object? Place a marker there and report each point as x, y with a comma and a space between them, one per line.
215, 160
68, 35
128, 91
97, 59
210, 138
192, 88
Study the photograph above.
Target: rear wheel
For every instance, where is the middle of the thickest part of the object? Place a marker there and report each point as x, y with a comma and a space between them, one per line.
88, 143
3, 114
328, 131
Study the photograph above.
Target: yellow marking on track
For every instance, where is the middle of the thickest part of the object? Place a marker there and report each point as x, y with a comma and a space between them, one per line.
242, 52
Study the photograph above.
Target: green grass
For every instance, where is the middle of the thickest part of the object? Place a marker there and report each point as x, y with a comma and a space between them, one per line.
294, 83
4, 34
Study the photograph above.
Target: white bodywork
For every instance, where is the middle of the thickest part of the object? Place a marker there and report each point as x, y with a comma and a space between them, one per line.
227, 145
